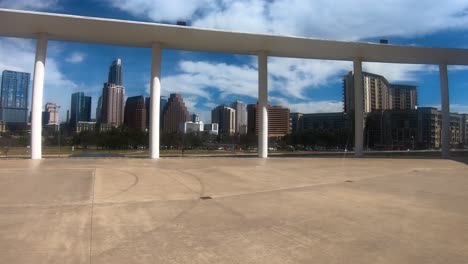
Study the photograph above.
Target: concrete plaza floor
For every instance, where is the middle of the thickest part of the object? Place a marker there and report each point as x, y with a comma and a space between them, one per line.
279, 210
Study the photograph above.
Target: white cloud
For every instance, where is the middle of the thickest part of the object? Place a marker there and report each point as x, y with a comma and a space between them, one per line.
458, 67
288, 76
76, 57
323, 106
454, 108
345, 19
197, 77
29, 4
398, 72
162, 10
245, 15
292, 77
191, 103
459, 108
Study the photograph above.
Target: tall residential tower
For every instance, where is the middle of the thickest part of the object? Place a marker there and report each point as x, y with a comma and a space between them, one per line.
379, 94
278, 120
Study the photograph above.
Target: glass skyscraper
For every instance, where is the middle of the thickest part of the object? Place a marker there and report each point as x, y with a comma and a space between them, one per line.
80, 108
99, 110
14, 97
115, 72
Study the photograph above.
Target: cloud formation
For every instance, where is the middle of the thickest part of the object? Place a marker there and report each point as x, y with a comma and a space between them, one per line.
345, 19
320, 106
291, 78
76, 57
29, 4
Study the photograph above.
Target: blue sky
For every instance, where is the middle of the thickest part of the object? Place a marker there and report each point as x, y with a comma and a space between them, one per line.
208, 79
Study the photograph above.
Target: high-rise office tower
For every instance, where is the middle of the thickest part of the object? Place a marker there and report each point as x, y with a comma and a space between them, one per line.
113, 94
226, 118
99, 110
135, 113
112, 104
241, 116
278, 120
80, 109
14, 97
175, 114
379, 94
115, 72
162, 104
50, 114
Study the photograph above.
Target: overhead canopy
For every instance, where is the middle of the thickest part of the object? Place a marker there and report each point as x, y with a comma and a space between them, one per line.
26, 24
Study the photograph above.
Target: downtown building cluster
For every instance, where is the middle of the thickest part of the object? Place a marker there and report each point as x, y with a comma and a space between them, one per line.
393, 119
14, 95
114, 111
240, 118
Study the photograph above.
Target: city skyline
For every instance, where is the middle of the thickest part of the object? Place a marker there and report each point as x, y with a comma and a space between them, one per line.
207, 79
383, 95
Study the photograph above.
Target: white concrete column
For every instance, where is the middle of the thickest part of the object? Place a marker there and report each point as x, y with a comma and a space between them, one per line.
37, 95
262, 104
155, 94
358, 109
444, 91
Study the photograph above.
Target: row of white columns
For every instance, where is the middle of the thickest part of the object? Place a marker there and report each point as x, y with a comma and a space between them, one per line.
155, 92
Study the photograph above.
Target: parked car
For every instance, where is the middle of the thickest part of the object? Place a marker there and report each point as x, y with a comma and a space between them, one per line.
289, 148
